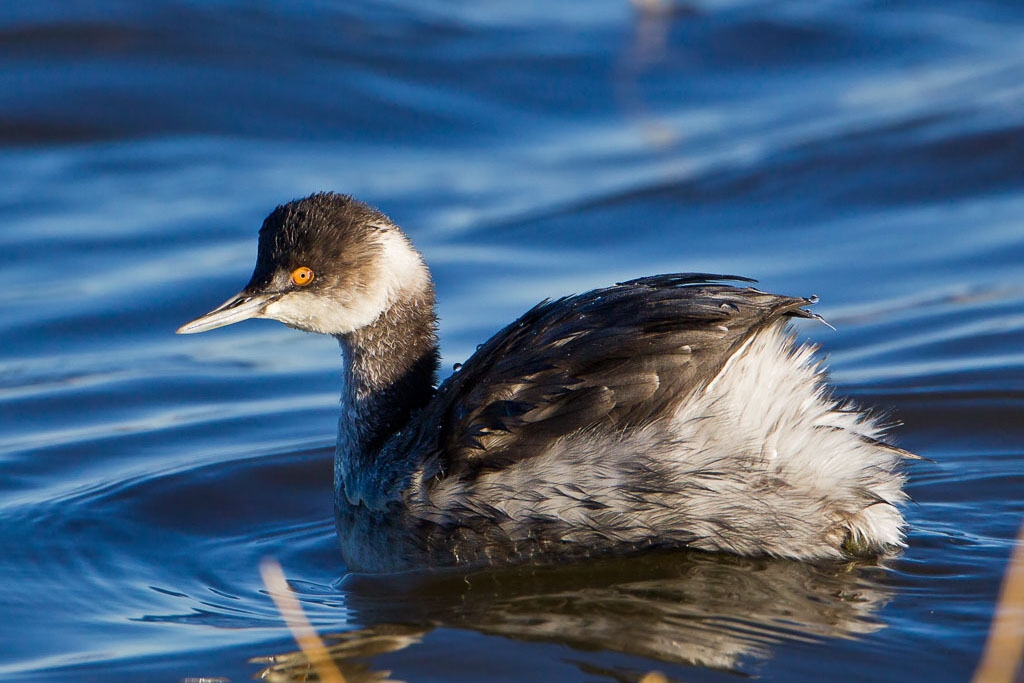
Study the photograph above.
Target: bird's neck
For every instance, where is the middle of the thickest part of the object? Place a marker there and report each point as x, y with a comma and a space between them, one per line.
390, 370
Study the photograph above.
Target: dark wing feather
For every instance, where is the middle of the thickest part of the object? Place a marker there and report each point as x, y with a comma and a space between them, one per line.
614, 357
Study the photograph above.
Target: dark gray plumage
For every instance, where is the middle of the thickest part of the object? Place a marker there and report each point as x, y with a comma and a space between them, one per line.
666, 411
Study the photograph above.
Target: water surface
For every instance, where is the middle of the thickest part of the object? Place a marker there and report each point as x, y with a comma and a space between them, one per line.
872, 153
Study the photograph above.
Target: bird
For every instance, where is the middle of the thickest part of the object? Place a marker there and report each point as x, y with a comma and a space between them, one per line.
673, 411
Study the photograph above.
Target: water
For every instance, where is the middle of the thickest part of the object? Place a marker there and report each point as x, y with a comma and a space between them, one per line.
872, 153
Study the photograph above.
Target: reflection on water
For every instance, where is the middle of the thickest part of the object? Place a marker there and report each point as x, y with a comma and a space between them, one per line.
347, 650
685, 608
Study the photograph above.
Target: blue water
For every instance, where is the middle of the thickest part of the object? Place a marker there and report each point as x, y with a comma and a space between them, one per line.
869, 152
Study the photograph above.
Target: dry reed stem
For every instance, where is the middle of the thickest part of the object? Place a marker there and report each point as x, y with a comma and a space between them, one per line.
303, 632
654, 677
1005, 645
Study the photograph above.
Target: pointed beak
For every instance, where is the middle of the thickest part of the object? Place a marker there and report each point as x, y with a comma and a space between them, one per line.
240, 307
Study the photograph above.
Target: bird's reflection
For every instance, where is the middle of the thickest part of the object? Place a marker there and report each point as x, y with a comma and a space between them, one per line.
700, 609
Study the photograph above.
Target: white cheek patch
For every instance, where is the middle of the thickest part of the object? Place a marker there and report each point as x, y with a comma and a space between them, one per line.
312, 313
400, 269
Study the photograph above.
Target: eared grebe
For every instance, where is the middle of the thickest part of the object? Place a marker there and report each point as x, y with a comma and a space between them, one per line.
668, 411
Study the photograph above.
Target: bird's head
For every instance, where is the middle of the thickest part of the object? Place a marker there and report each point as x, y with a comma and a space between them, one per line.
327, 263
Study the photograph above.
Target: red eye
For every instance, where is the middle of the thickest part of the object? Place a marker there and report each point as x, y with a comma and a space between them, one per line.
302, 276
